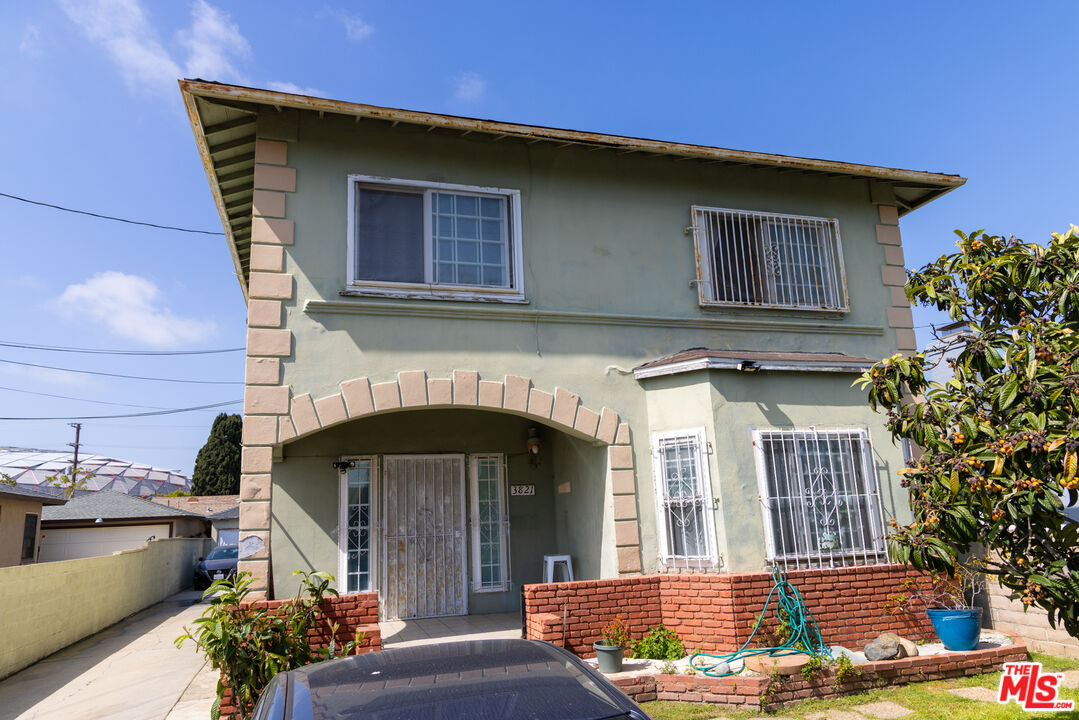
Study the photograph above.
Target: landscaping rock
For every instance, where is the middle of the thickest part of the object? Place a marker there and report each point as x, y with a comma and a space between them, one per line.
908, 648
721, 669
780, 665
886, 710
1070, 680
885, 647
844, 715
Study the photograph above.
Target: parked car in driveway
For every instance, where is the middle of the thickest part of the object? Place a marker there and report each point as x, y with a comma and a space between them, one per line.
220, 564
489, 679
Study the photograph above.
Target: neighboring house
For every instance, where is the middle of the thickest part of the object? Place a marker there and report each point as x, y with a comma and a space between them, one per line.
20, 523
472, 344
223, 511
226, 526
33, 468
101, 523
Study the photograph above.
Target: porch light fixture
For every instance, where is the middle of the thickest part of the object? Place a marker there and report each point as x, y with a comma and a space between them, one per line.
343, 464
533, 445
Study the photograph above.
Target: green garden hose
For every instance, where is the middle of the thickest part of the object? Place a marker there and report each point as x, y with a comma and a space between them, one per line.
804, 638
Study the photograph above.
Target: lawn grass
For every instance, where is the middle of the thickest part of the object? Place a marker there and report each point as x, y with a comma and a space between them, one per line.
929, 700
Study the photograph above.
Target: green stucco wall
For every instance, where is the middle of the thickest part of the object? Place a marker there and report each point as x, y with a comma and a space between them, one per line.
305, 490
603, 239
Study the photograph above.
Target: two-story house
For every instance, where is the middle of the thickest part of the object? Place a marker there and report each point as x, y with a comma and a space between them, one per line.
473, 344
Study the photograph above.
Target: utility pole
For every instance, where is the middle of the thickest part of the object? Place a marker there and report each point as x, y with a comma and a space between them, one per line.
75, 460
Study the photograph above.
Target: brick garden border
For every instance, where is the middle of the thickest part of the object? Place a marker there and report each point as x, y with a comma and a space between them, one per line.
759, 693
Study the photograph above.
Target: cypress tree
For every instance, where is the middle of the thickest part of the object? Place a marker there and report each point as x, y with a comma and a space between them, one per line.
217, 466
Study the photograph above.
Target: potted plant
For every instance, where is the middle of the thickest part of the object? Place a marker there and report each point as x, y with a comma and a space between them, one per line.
950, 606
609, 650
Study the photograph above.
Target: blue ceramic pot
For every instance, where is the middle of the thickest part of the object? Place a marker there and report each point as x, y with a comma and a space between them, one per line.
609, 657
958, 628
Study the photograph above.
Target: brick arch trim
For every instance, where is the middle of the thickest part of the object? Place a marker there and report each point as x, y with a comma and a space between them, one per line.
412, 389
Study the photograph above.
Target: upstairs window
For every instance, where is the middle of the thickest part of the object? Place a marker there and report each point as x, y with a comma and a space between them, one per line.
418, 239
756, 259
819, 497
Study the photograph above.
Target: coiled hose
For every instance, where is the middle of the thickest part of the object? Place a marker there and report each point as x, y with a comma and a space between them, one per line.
804, 638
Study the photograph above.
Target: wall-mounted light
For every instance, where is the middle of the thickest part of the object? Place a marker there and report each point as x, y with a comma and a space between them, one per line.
533, 445
343, 464
748, 366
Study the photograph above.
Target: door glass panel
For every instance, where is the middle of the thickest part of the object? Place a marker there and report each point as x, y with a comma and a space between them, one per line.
358, 544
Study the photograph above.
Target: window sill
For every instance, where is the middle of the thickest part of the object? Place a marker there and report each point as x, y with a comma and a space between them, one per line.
436, 292
499, 589
797, 309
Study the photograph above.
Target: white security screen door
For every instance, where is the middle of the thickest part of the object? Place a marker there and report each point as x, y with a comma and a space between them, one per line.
424, 541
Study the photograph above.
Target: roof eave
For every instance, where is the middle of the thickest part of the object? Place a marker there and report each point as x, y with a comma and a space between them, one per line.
211, 177
303, 102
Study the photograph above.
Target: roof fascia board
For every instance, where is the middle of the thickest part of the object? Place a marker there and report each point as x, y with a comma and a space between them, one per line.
732, 364
618, 142
211, 177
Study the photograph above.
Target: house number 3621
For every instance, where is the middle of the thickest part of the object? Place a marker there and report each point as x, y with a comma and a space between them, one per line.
522, 490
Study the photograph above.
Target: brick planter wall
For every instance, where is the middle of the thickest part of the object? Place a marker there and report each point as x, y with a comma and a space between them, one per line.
716, 612
357, 612
757, 693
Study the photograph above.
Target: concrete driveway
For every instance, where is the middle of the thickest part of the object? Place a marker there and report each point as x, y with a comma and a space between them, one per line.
131, 670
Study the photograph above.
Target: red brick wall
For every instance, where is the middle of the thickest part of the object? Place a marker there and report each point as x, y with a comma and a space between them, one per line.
588, 606
357, 612
716, 612
763, 692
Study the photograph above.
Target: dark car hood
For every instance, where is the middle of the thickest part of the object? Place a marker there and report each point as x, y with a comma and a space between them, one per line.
489, 679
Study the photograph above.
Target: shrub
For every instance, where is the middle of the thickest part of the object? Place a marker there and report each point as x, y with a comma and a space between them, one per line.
659, 643
250, 645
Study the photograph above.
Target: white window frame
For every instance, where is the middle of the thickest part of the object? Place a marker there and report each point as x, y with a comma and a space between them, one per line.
706, 281
659, 482
342, 525
873, 553
430, 290
504, 523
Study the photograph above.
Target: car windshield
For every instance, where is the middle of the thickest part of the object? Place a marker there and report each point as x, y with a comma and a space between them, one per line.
222, 553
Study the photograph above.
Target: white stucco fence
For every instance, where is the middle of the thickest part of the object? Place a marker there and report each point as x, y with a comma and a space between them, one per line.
47, 606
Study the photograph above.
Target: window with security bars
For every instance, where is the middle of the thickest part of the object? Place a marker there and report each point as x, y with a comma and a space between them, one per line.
355, 537
489, 525
769, 260
820, 498
683, 499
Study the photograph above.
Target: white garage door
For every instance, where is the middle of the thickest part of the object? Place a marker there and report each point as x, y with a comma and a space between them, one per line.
71, 543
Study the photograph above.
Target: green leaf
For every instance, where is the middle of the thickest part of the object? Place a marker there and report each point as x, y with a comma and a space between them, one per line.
1008, 393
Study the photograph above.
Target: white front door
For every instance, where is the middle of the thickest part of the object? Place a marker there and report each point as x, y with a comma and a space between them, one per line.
423, 536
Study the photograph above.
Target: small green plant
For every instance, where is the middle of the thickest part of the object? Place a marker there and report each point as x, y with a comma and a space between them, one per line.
668, 668
6, 480
844, 670
250, 645
659, 643
616, 632
814, 666
774, 681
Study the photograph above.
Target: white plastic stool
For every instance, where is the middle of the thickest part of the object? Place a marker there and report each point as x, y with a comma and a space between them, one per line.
549, 561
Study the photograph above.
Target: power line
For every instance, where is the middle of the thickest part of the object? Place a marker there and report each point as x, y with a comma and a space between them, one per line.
145, 414
68, 397
129, 377
109, 217
98, 351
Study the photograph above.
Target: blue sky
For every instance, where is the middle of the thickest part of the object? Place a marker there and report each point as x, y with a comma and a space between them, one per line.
93, 120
